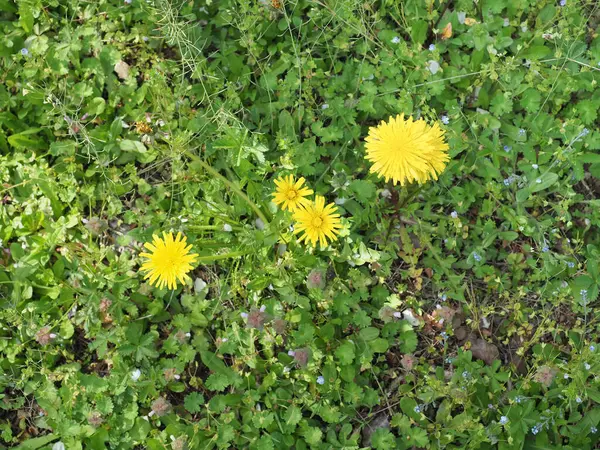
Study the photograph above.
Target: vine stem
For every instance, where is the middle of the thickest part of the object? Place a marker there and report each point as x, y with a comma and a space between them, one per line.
231, 185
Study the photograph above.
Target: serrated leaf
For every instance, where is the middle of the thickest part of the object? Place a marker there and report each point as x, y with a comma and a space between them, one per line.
345, 353
194, 402
292, 417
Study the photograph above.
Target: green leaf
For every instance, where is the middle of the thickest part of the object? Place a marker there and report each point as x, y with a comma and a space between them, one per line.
25, 141
345, 353
543, 182
369, 333
96, 106
35, 443
292, 417
66, 329
194, 402
132, 146
383, 439
418, 31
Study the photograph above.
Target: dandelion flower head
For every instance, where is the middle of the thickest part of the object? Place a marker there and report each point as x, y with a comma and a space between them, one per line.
407, 150
318, 222
290, 194
169, 260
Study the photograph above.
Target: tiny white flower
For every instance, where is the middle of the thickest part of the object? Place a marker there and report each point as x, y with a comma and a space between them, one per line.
188, 334
325, 106
524, 27
535, 166
410, 317
506, 22
538, 181
136, 374
227, 228
286, 370
199, 285
433, 66
340, 200
395, 40
397, 314
445, 120
454, 214
52, 335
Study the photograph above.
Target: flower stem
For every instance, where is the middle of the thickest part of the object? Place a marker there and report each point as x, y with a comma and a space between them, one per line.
231, 185
208, 258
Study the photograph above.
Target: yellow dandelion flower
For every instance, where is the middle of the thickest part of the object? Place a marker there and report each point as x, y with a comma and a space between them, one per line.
169, 260
407, 150
317, 221
290, 194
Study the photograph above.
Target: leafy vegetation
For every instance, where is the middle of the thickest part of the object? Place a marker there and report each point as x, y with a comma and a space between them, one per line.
460, 313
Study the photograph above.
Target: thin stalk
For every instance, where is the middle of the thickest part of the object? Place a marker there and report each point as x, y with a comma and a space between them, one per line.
231, 185
212, 227
399, 206
209, 258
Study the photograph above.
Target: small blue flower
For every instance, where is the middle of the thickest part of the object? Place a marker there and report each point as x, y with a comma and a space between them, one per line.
466, 374
585, 132
395, 40
570, 264
518, 399
24, 52
521, 132
507, 181
536, 429
503, 420
587, 366
449, 360
545, 248
507, 148
563, 2
444, 335
594, 430
444, 297
592, 348
431, 47
244, 315
418, 409
490, 406
476, 257
128, 2
578, 399
454, 214
445, 120
320, 380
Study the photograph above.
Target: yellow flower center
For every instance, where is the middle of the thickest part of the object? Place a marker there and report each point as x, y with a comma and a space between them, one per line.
292, 194
317, 222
